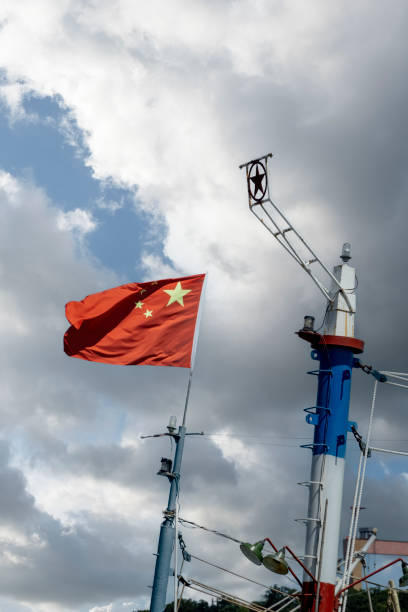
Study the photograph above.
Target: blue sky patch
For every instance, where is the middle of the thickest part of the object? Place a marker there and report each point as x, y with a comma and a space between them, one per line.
36, 148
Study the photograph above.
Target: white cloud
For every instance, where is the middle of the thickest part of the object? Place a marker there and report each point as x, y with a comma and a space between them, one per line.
156, 268
111, 205
10, 188
169, 107
77, 220
12, 95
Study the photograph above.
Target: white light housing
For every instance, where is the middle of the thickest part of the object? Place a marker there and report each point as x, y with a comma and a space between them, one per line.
308, 324
172, 424
346, 252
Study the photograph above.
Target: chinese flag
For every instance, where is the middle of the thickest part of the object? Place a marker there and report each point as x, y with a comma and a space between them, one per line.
136, 324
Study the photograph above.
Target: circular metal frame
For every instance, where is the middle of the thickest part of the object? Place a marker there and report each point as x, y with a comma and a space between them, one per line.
264, 189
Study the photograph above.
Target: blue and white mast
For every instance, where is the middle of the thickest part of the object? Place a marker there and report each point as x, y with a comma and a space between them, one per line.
334, 349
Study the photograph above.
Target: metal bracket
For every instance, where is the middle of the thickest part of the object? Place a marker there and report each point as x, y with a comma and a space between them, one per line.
309, 483
308, 520
314, 409
317, 372
314, 417
312, 445
277, 224
370, 370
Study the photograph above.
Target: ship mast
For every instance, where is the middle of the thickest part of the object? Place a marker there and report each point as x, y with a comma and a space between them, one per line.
334, 350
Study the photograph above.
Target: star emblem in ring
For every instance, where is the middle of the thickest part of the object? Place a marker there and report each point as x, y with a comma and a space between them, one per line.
257, 181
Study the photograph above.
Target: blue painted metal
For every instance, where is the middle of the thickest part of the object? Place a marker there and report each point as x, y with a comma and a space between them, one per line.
166, 538
333, 397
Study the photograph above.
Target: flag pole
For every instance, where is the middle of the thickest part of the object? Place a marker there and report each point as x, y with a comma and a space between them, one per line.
168, 530
175, 605
190, 377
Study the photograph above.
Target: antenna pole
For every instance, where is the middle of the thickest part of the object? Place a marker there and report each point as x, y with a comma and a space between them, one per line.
167, 531
334, 350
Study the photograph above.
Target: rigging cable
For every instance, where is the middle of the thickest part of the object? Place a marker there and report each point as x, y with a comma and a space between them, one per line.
214, 531
245, 578
356, 507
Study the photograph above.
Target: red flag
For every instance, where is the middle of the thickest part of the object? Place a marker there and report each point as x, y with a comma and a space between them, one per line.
136, 324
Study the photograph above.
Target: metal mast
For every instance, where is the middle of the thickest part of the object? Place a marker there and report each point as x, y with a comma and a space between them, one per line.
334, 349
167, 529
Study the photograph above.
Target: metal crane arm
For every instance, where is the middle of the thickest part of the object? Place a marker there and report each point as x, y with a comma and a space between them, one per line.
273, 219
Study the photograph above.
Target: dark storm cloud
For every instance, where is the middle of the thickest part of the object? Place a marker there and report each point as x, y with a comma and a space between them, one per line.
58, 563
136, 467
334, 111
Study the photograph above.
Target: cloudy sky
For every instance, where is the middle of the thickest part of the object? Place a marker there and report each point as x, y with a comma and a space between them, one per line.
122, 126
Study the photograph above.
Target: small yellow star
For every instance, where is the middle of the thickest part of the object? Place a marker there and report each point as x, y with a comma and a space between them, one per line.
138, 304
154, 283
142, 291
148, 313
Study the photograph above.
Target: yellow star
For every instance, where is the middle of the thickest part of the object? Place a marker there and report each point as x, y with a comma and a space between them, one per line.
154, 283
142, 291
138, 304
148, 313
176, 294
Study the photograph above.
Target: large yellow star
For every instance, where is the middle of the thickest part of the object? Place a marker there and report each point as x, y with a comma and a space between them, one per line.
176, 294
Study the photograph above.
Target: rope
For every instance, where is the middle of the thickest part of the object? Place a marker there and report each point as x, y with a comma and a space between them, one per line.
347, 572
219, 533
399, 376
209, 590
276, 607
243, 577
396, 384
370, 603
353, 514
377, 584
227, 537
175, 552
402, 375
206, 589
386, 450
366, 451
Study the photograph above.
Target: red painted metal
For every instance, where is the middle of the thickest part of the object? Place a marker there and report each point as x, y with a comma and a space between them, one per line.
318, 341
354, 344
326, 597
301, 564
276, 550
368, 576
327, 600
271, 544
